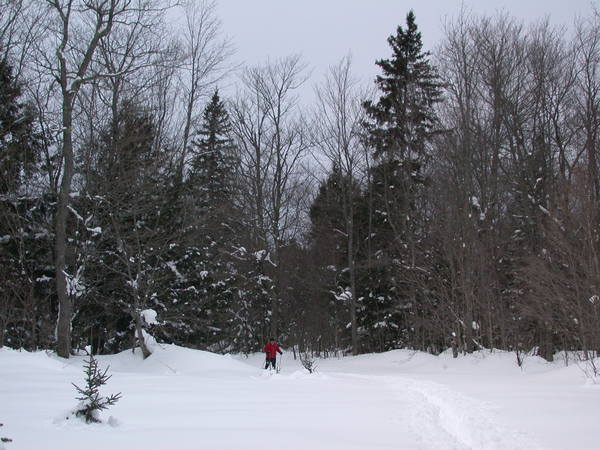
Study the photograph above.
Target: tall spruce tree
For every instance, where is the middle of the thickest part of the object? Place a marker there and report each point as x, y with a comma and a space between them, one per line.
400, 126
404, 118
205, 286
214, 161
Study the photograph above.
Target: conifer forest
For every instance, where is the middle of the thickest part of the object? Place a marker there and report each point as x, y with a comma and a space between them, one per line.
151, 185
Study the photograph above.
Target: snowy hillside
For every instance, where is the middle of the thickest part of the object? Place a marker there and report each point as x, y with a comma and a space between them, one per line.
186, 399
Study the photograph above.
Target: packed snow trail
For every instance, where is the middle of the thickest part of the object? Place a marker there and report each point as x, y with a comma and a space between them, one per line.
439, 418
471, 423
186, 399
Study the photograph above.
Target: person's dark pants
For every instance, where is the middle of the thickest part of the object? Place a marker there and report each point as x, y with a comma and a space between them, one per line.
270, 361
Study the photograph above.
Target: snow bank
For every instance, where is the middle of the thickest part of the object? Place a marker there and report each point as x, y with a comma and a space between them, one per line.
17, 362
172, 359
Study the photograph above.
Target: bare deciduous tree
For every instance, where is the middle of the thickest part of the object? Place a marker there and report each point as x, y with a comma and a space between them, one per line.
337, 132
204, 62
76, 31
271, 136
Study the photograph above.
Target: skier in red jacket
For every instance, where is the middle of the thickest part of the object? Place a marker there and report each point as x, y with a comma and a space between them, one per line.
271, 350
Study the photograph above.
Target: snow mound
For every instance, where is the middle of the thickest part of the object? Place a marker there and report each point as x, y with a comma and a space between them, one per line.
69, 420
172, 359
165, 359
19, 362
493, 361
496, 362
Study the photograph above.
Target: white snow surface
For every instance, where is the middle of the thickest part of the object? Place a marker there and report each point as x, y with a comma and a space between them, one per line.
188, 399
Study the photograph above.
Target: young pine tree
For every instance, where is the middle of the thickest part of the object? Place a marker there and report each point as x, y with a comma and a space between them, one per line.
91, 400
4, 440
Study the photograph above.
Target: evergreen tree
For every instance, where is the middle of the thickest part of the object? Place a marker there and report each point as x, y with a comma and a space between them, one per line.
4, 440
25, 240
404, 118
91, 402
338, 202
203, 275
212, 175
250, 313
328, 217
128, 231
19, 143
27, 295
399, 128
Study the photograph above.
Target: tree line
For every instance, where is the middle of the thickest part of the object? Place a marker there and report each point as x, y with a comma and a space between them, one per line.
453, 204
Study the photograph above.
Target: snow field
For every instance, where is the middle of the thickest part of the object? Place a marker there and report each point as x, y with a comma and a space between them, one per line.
188, 399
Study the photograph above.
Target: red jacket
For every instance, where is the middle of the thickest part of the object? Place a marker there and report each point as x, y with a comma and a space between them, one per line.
271, 350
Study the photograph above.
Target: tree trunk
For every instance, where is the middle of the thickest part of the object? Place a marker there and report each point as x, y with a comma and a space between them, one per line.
65, 305
351, 268
546, 349
2, 332
275, 295
140, 335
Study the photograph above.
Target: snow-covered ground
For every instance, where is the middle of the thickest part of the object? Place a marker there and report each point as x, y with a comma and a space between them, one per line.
185, 399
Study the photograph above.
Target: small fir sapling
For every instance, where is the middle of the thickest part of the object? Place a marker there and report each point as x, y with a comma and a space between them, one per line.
91, 402
3, 440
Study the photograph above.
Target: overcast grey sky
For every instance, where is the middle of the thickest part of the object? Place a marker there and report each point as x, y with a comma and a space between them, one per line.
325, 30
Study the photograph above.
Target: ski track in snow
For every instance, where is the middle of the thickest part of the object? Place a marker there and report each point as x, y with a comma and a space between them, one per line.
468, 423
444, 419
